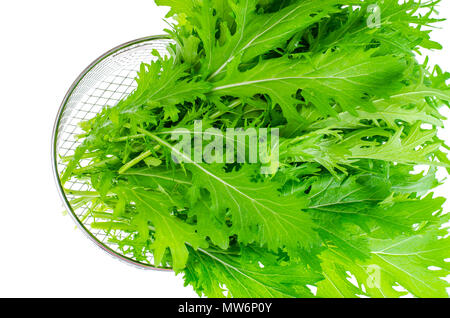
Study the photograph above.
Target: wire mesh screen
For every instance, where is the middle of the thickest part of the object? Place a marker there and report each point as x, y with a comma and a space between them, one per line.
108, 80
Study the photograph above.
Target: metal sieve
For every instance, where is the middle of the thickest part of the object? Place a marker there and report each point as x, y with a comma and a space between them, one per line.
105, 82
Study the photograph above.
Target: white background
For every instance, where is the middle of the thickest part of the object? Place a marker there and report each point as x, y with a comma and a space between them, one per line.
44, 46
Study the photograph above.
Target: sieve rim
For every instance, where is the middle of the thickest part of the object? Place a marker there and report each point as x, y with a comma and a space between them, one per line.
54, 154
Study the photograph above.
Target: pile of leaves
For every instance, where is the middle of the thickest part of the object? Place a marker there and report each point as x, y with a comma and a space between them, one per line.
345, 214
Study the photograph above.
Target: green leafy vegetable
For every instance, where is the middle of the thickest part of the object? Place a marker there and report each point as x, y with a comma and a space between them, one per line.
356, 114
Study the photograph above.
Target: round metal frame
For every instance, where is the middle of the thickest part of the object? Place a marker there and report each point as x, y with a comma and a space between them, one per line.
104, 82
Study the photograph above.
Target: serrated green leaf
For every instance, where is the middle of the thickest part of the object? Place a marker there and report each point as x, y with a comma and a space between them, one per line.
170, 233
246, 276
345, 77
257, 208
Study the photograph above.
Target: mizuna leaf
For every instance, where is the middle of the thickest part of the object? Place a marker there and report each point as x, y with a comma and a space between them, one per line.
247, 276
390, 115
178, 6
256, 34
395, 149
344, 77
400, 29
336, 282
212, 225
161, 84
368, 202
257, 207
333, 150
170, 233
416, 263
157, 177
407, 261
